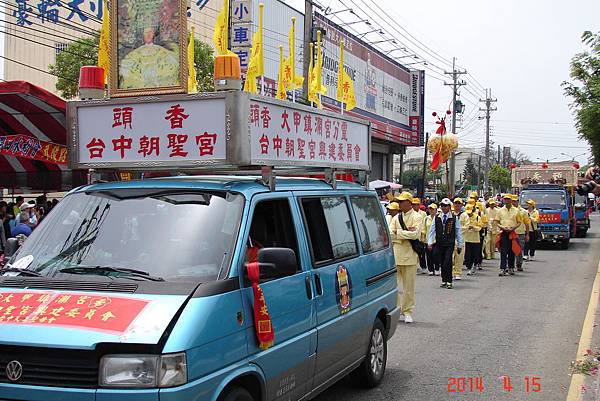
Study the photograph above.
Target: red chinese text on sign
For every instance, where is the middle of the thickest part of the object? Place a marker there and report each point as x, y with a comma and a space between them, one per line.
98, 313
254, 114
176, 116
284, 124
122, 144
264, 144
206, 143
149, 146
265, 115
176, 144
122, 116
96, 148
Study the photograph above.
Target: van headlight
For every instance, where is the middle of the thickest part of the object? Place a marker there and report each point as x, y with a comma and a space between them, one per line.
143, 371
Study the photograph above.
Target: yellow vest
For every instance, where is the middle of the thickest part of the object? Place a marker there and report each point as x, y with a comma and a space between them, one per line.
473, 226
534, 218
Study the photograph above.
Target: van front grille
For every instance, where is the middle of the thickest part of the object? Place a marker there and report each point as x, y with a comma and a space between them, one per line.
51, 367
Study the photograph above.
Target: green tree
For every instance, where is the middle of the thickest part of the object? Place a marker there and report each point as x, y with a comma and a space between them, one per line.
584, 91
470, 173
500, 178
411, 178
85, 52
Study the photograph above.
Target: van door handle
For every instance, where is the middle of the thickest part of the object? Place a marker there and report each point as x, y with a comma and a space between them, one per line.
318, 284
309, 293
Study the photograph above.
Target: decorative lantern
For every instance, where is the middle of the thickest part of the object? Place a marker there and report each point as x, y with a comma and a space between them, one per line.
512, 166
576, 166
442, 144
544, 165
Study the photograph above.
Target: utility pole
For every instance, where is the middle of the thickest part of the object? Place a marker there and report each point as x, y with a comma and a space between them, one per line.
488, 109
479, 177
308, 31
422, 192
455, 85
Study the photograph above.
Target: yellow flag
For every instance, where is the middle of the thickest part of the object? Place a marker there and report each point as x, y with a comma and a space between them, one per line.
345, 87
222, 30
312, 96
317, 83
293, 81
103, 48
281, 93
256, 65
192, 81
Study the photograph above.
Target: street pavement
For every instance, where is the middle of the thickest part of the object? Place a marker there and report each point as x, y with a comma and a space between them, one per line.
493, 328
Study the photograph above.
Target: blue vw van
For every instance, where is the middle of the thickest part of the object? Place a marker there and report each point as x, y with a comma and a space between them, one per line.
139, 291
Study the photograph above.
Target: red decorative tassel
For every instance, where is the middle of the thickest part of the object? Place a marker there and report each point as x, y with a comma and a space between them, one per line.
262, 320
435, 163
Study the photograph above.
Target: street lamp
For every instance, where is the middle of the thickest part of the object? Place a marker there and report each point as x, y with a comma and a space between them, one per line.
382, 41
397, 48
328, 11
366, 21
573, 157
380, 31
418, 62
410, 55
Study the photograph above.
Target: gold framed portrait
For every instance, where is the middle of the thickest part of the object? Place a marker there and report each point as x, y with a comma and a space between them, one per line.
148, 47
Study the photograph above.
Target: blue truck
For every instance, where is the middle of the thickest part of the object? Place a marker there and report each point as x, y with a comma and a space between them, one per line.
552, 188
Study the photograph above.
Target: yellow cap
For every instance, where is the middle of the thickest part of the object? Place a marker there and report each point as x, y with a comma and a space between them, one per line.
458, 200
393, 206
473, 194
470, 201
507, 196
531, 202
479, 205
404, 196
433, 206
515, 197
492, 201
416, 201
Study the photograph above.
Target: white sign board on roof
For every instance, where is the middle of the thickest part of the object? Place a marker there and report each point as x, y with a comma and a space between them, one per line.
227, 129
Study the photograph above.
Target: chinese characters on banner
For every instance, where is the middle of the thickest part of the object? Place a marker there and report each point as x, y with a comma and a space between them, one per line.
241, 31
161, 131
88, 311
280, 134
32, 148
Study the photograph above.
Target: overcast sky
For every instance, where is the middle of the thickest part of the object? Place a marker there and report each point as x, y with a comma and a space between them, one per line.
520, 49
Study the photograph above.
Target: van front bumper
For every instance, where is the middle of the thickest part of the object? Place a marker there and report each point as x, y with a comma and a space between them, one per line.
392, 321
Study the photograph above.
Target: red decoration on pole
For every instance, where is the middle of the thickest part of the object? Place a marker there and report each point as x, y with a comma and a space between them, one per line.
576, 166
512, 166
448, 112
262, 320
544, 165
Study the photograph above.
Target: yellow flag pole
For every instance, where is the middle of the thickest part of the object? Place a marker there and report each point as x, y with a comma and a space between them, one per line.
293, 58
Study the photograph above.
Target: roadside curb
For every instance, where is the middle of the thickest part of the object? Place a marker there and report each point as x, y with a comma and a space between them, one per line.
587, 387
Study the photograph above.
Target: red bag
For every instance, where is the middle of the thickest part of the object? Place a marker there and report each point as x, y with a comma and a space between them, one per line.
262, 320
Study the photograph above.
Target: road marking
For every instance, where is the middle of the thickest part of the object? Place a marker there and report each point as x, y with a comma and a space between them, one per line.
585, 339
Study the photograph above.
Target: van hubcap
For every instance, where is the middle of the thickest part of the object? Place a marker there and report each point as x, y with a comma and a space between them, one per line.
377, 352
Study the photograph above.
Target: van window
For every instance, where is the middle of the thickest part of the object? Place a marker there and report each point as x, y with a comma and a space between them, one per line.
272, 227
371, 226
329, 228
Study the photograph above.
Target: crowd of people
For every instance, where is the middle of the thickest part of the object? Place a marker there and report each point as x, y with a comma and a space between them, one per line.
458, 235
21, 218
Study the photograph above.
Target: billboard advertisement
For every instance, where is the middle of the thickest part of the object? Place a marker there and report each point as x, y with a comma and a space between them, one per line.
383, 87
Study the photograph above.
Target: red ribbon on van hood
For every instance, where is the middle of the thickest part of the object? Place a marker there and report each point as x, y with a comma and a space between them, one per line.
262, 320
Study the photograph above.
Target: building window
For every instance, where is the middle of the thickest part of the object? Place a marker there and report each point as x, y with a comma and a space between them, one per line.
59, 47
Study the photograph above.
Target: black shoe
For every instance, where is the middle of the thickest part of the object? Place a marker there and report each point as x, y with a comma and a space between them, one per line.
444, 285
503, 273
480, 268
520, 269
449, 286
511, 271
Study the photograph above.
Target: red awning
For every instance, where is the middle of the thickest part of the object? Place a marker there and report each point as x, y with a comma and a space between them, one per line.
26, 109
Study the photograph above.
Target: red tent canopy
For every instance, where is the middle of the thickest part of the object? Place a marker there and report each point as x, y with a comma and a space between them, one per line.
29, 110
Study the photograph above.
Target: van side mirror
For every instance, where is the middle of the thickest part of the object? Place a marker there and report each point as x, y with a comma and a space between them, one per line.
276, 263
12, 245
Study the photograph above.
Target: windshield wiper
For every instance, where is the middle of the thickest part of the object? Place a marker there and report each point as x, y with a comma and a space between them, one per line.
106, 270
24, 272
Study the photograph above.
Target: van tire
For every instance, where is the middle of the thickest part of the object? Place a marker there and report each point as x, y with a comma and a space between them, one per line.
565, 244
372, 369
236, 394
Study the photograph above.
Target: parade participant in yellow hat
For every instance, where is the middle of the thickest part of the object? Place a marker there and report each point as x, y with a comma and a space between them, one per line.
508, 219
492, 230
463, 222
416, 205
433, 265
445, 233
405, 227
534, 219
393, 208
471, 237
482, 232
522, 230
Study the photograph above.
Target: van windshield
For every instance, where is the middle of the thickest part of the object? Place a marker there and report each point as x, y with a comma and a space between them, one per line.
545, 199
171, 235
